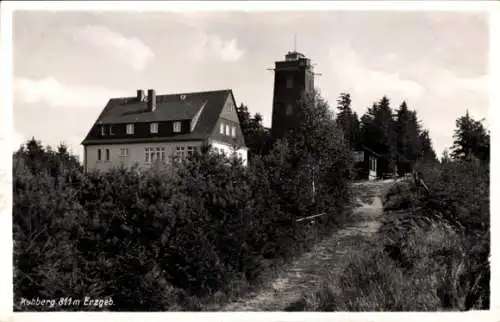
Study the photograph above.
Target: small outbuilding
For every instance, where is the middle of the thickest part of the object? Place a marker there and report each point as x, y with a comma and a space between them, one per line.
366, 164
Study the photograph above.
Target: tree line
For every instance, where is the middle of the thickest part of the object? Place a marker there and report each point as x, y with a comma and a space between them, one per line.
397, 135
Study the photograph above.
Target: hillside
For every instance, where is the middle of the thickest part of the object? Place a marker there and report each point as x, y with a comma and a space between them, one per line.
328, 258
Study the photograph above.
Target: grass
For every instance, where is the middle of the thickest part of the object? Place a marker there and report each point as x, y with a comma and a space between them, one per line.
373, 281
419, 261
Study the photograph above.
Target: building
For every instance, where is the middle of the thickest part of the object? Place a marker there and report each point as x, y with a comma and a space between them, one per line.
293, 78
148, 129
366, 164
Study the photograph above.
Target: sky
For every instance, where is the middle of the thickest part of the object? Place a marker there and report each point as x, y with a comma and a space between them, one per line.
68, 64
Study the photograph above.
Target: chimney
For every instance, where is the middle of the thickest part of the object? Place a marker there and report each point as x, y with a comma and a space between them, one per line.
151, 100
140, 95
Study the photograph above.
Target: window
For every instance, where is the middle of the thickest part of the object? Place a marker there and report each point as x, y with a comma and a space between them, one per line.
103, 130
123, 153
154, 154
228, 130
130, 128
289, 109
289, 82
180, 152
233, 131
177, 127
99, 154
373, 164
221, 128
358, 156
111, 130
191, 150
153, 128
107, 154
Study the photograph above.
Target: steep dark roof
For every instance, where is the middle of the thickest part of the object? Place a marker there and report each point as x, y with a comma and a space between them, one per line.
363, 147
168, 108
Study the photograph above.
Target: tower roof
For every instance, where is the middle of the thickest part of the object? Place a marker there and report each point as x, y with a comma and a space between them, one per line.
294, 55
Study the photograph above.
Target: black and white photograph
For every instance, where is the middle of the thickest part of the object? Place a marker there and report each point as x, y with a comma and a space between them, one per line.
250, 160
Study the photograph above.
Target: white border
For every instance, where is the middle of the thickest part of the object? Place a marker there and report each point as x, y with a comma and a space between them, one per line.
494, 82
6, 132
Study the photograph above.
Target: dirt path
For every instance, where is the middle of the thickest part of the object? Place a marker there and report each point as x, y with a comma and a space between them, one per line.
307, 272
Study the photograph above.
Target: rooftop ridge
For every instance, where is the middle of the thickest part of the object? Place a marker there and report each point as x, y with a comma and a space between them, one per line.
179, 93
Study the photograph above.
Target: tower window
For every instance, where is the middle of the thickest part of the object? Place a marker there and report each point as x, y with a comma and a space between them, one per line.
289, 109
289, 82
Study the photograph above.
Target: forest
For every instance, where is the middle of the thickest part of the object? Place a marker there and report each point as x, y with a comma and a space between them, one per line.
182, 236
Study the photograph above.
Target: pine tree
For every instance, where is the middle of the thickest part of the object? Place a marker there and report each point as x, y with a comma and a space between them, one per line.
39, 159
470, 139
368, 132
427, 152
347, 120
256, 137
408, 144
377, 131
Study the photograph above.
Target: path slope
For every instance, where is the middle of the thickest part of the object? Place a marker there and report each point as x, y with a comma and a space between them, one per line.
325, 259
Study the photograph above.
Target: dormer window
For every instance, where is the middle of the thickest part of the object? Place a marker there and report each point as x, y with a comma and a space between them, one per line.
221, 128
177, 127
153, 128
228, 130
130, 129
233, 131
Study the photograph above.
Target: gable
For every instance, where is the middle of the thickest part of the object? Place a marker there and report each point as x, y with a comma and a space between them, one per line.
228, 117
229, 111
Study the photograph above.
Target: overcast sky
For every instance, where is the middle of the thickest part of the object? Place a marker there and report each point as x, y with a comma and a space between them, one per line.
68, 64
